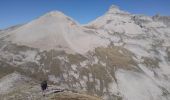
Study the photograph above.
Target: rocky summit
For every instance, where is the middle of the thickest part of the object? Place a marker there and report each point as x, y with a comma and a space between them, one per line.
118, 56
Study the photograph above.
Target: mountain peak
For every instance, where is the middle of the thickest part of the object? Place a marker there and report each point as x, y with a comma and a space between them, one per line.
113, 7
115, 10
54, 14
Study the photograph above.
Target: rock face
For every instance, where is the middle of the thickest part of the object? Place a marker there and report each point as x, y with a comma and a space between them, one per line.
164, 19
118, 56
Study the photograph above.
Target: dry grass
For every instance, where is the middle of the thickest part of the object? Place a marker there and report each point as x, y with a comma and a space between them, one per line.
150, 62
73, 96
75, 59
113, 57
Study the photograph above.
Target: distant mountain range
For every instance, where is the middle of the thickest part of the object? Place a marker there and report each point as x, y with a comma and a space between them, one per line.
118, 56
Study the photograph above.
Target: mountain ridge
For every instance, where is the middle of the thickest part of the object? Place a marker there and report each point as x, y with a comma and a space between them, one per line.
118, 56
57, 30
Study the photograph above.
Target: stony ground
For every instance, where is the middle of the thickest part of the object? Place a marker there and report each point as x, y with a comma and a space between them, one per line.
72, 96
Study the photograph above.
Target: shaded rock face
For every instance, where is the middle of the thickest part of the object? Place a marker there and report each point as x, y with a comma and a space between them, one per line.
164, 19
117, 56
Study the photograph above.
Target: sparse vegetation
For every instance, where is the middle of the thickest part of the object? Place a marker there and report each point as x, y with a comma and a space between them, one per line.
114, 58
151, 62
75, 59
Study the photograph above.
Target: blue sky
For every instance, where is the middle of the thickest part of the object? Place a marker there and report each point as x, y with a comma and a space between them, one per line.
14, 12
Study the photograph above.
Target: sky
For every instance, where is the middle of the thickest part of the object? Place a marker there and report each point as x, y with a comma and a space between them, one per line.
13, 12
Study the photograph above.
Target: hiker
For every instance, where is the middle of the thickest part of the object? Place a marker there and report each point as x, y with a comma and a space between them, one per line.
44, 86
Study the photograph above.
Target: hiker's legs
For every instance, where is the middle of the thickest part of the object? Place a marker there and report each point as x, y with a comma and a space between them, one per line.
43, 92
